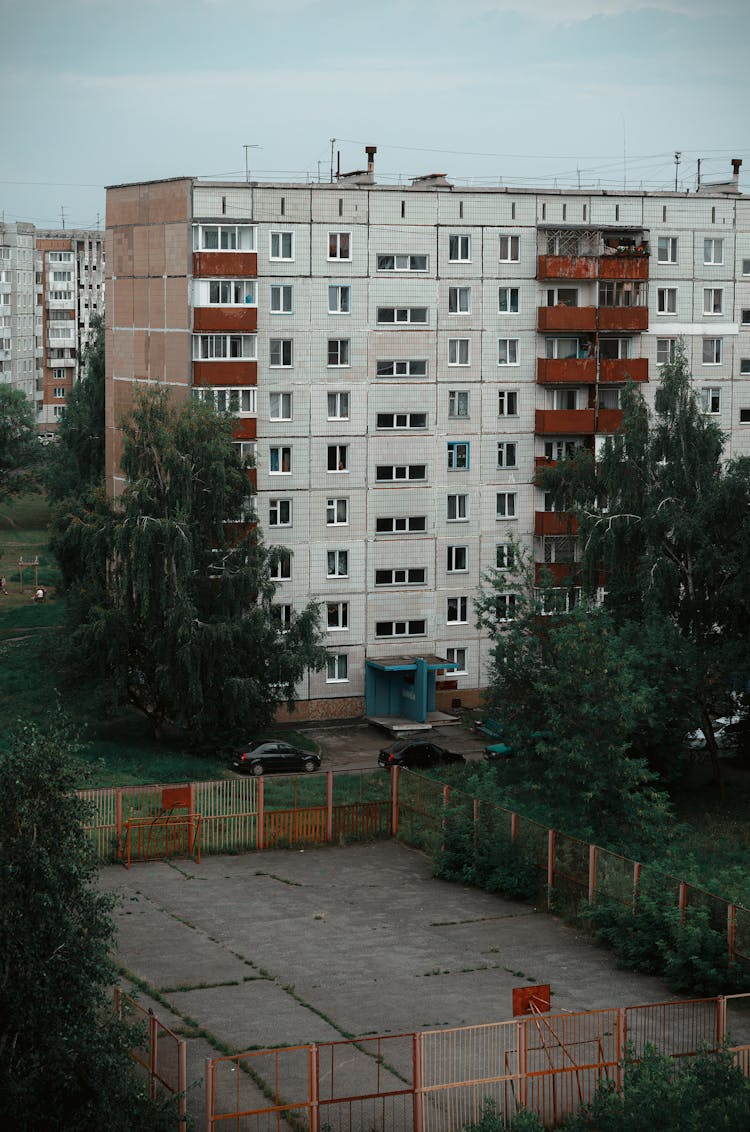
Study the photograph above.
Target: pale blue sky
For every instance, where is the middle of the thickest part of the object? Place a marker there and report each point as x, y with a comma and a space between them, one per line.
533, 92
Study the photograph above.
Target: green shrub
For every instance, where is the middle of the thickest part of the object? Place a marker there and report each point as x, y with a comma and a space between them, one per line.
491, 1121
485, 856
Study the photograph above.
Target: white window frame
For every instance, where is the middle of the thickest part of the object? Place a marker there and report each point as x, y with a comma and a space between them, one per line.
281, 298
713, 301
508, 352
335, 506
459, 248
281, 571
457, 610
505, 558
339, 560
457, 654
411, 627
276, 509
401, 576
337, 616
666, 249
282, 346
457, 400
460, 504
509, 250
408, 421
226, 293
712, 244
339, 349
337, 668
459, 351
223, 347
711, 400
459, 300
507, 403
457, 559
245, 399
717, 351
403, 316
335, 244
241, 236
666, 351
283, 408
339, 298
337, 405
339, 455
666, 300
507, 454
279, 239
402, 261
400, 524
512, 294
400, 473
506, 506
508, 602
280, 454
401, 367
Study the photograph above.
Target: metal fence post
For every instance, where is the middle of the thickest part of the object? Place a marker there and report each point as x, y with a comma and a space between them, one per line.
550, 866
209, 1091
682, 900
416, 1101
260, 832
182, 1082
636, 884
394, 800
475, 818
731, 931
329, 805
514, 827
314, 1087
593, 861
153, 1055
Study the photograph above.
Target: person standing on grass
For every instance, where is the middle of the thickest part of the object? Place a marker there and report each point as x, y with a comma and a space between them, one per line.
2, 585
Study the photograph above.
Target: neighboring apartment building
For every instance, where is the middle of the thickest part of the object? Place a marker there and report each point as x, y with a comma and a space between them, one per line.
400, 361
51, 283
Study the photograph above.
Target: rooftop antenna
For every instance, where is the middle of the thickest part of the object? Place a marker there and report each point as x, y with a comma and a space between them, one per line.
247, 169
333, 142
62, 216
624, 155
677, 156
698, 185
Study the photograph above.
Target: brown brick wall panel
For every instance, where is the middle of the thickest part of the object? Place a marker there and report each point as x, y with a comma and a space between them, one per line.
232, 264
469, 697
120, 355
229, 319
177, 306
121, 262
140, 250
166, 202
351, 707
177, 249
156, 306
121, 291
177, 363
156, 253
140, 302
123, 205
157, 364
225, 373
140, 354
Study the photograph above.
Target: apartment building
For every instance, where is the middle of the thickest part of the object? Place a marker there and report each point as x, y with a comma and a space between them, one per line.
400, 361
51, 284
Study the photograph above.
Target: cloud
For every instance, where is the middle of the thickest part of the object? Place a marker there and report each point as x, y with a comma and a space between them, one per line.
576, 11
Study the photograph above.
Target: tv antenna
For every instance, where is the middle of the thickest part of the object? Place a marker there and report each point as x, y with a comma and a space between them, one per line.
677, 156
247, 169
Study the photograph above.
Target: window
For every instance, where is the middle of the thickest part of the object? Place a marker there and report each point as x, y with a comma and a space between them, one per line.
508, 300
459, 300
415, 367
713, 251
279, 406
337, 564
224, 347
403, 315
510, 247
338, 457
337, 615
337, 512
400, 524
458, 455
746, 267
339, 299
507, 351
280, 351
458, 508
279, 512
235, 400
505, 505
280, 461
666, 249
711, 400
459, 249
339, 245
744, 416
745, 366
507, 403
392, 262
338, 406
62, 276
281, 299
459, 351
414, 628
505, 607
224, 238
458, 611
281, 568
745, 316
565, 399
402, 420
338, 351
457, 559
385, 473
505, 558
560, 549
58, 410
712, 351
282, 245
227, 292
457, 657
666, 300
666, 350
458, 403
506, 454
59, 391
336, 668
282, 615
713, 300
401, 576
59, 374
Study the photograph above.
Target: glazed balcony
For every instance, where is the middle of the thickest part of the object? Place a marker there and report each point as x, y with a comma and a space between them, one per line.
554, 523
623, 369
561, 317
567, 267
568, 371
233, 265
576, 422
623, 318
232, 320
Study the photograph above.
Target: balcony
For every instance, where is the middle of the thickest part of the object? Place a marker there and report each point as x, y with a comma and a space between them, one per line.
245, 428
564, 422
623, 267
623, 318
567, 266
225, 373
555, 523
68, 303
623, 369
236, 265
559, 572
561, 317
233, 320
568, 371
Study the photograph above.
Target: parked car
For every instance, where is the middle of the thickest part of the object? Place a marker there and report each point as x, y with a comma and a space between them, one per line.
273, 757
496, 752
417, 754
726, 732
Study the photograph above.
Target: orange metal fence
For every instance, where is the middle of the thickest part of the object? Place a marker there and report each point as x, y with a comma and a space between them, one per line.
440, 1080
162, 1055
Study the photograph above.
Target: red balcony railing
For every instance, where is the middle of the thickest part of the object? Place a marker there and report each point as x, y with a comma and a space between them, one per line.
623, 318
569, 371
564, 318
567, 266
623, 369
554, 523
235, 265
232, 320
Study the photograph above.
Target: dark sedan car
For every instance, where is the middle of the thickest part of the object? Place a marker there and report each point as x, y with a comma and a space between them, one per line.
273, 757
417, 754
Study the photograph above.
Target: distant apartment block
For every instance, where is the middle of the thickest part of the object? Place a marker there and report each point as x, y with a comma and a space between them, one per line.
51, 284
401, 361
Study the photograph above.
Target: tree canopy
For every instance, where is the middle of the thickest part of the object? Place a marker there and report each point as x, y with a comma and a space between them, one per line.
64, 1060
171, 609
19, 447
76, 460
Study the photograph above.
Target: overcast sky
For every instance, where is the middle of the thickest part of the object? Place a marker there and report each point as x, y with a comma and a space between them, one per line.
531, 92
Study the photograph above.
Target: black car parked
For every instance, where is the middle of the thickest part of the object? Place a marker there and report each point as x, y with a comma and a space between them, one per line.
417, 754
273, 757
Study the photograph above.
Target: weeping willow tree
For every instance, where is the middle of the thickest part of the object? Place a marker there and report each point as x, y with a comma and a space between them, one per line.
171, 610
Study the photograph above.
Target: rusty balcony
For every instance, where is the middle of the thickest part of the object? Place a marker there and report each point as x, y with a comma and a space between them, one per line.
576, 422
567, 267
623, 318
568, 371
231, 320
623, 267
559, 572
623, 369
554, 523
234, 265
564, 318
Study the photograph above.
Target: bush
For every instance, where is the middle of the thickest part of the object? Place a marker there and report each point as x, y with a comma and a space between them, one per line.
491, 1121
483, 855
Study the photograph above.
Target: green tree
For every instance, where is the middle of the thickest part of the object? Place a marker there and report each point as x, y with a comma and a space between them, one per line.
76, 460
19, 447
572, 694
172, 610
64, 1060
668, 521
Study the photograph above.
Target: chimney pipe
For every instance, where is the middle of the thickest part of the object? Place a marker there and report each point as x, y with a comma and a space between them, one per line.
736, 165
371, 150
